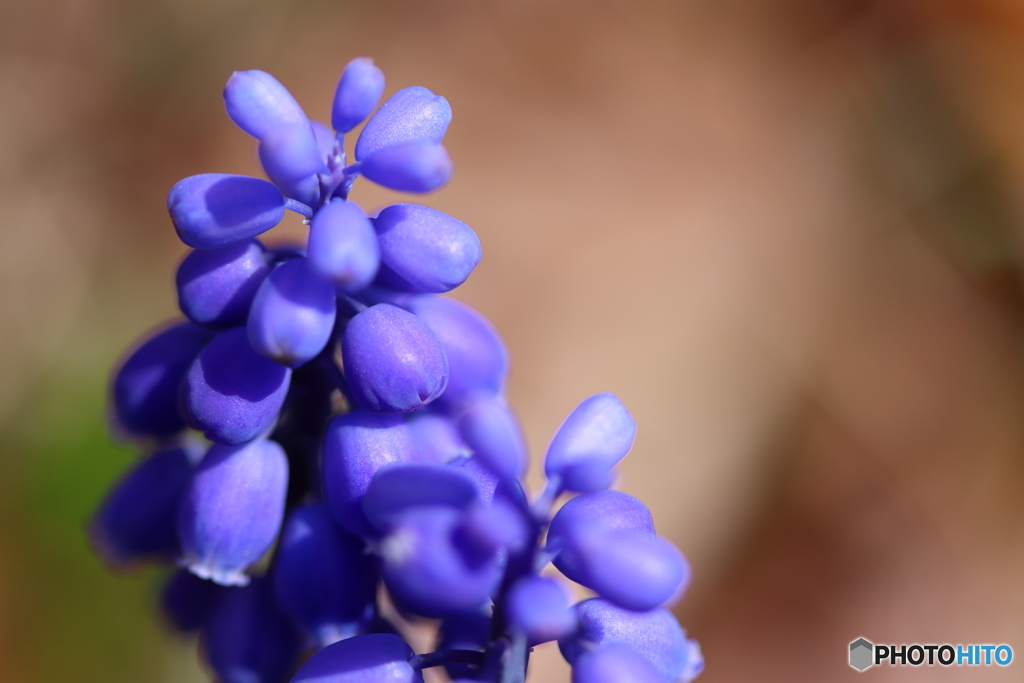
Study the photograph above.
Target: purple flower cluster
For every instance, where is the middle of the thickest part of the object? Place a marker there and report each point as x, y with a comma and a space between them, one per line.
360, 437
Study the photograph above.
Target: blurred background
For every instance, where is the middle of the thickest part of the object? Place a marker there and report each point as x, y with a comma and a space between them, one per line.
789, 234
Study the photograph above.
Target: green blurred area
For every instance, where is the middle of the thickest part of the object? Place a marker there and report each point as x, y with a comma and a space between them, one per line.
69, 618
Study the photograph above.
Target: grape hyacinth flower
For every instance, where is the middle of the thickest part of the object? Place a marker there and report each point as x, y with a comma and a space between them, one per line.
364, 465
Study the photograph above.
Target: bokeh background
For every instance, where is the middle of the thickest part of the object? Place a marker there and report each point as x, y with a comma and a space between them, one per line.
788, 233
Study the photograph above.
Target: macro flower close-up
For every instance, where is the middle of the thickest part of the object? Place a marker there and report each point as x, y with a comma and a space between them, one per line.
398, 466
511, 342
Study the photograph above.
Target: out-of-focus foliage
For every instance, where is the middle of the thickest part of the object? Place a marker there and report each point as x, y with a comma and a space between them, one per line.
64, 617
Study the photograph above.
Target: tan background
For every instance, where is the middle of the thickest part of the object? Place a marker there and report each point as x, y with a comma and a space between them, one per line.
788, 234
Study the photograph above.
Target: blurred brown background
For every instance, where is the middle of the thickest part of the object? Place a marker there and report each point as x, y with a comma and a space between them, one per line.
789, 234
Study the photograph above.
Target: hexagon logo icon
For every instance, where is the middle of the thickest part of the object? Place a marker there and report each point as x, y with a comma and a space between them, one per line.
861, 654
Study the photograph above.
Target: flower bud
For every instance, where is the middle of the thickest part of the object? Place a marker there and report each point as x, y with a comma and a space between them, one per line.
393, 362
359, 90
260, 105
436, 437
323, 577
145, 386
231, 393
418, 167
291, 154
655, 635
247, 639
599, 511
492, 431
614, 663
423, 249
292, 315
369, 658
188, 600
478, 359
213, 209
492, 487
400, 486
595, 436
232, 509
427, 573
490, 528
291, 158
634, 569
343, 246
587, 476
539, 607
410, 115
137, 520
356, 446
216, 286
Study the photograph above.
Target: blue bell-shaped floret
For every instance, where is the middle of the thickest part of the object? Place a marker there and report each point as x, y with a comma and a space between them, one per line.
356, 446
437, 437
634, 569
292, 159
423, 249
540, 607
145, 386
491, 486
393, 362
597, 511
369, 658
248, 639
426, 571
213, 209
614, 663
400, 486
654, 635
595, 436
260, 105
232, 509
137, 521
216, 286
411, 115
343, 246
358, 92
488, 529
416, 167
478, 360
292, 315
231, 393
323, 576
492, 431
